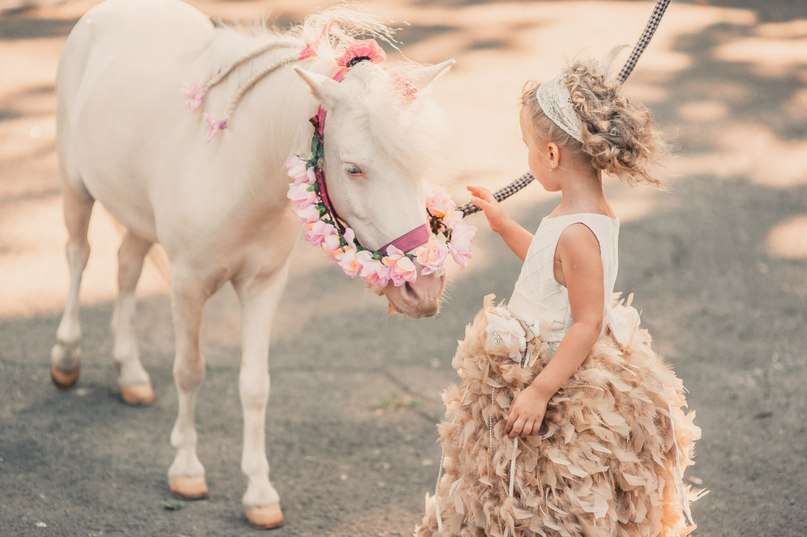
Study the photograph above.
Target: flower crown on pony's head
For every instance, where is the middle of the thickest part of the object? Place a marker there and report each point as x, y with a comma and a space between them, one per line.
358, 51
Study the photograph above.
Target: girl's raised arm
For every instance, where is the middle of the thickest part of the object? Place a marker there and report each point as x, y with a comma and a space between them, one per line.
515, 236
581, 262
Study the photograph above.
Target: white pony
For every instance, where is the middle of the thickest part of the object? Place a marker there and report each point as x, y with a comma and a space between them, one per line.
219, 208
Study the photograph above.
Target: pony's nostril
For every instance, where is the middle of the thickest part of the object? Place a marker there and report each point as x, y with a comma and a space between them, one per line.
409, 292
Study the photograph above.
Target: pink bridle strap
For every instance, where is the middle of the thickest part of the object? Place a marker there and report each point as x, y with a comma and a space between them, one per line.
410, 240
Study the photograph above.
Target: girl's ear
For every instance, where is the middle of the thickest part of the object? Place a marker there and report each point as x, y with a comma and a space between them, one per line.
553, 155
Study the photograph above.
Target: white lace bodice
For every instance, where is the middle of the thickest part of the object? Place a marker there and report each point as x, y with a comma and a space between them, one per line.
538, 298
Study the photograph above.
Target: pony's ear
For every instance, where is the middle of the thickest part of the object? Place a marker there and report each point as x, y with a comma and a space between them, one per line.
324, 89
423, 77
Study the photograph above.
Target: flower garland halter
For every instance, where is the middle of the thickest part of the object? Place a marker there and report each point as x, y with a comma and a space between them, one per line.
444, 236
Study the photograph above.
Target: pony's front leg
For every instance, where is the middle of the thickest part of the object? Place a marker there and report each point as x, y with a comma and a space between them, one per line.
189, 293
259, 298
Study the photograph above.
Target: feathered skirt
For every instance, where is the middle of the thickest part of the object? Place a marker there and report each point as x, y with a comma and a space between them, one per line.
609, 460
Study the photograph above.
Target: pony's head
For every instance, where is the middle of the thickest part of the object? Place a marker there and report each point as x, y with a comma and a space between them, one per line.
379, 123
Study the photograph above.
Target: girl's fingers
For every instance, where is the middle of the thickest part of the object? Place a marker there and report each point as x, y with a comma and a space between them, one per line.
518, 426
481, 192
528, 425
511, 418
479, 202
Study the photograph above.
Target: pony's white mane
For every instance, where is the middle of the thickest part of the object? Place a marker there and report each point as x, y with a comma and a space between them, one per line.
343, 25
405, 130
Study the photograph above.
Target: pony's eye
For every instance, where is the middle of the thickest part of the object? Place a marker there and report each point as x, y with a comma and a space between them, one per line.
352, 169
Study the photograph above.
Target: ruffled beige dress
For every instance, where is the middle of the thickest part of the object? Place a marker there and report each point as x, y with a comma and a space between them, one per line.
616, 440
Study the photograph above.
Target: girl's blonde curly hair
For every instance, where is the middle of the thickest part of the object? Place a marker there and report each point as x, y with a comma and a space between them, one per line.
619, 136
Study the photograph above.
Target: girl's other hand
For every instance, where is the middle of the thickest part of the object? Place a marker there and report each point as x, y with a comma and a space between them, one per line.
526, 413
482, 198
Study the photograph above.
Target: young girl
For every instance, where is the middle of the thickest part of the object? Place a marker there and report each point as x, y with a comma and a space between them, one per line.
566, 423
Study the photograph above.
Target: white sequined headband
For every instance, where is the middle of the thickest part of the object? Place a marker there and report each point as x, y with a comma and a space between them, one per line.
556, 102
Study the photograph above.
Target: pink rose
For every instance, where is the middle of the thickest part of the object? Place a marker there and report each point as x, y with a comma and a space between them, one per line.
439, 203
400, 267
298, 170
348, 261
295, 165
318, 232
431, 256
460, 246
403, 271
373, 270
452, 219
309, 178
331, 243
308, 214
362, 48
300, 195
350, 237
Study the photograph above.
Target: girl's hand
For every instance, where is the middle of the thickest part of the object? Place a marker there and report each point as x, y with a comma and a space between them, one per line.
482, 198
526, 413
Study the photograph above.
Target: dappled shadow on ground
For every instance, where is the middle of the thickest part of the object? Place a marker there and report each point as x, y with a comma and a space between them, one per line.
19, 27
767, 10
355, 393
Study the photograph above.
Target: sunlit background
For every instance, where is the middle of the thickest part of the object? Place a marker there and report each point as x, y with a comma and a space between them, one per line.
718, 262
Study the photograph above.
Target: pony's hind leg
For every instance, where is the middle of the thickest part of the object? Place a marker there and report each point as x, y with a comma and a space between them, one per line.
65, 353
133, 380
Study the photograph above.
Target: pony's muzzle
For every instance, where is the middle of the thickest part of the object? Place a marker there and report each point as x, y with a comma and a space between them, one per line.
420, 298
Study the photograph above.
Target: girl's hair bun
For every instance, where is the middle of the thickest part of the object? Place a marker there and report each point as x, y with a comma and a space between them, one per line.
618, 135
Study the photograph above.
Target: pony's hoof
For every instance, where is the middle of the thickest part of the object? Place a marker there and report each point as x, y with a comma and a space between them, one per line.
64, 379
188, 488
265, 517
138, 394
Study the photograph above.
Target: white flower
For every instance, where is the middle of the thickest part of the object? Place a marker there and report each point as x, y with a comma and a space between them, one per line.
460, 245
504, 336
